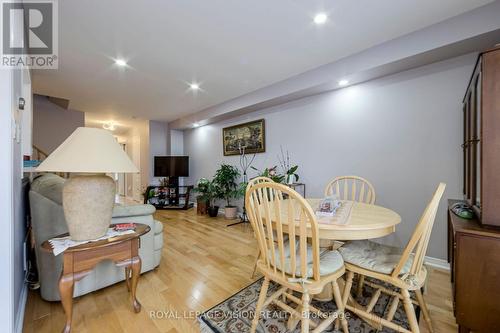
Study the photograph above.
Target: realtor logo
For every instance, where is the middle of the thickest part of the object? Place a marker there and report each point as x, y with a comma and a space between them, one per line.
29, 34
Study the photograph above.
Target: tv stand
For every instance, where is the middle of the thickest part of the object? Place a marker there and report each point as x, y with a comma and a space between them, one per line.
171, 196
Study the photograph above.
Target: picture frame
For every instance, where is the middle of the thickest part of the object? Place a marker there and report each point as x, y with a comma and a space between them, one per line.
250, 135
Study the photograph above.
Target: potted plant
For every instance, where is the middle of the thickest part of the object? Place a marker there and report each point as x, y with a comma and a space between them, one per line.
202, 199
289, 170
212, 193
271, 173
291, 175
226, 180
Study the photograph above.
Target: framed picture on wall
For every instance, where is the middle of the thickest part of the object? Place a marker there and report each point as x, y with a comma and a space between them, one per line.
250, 135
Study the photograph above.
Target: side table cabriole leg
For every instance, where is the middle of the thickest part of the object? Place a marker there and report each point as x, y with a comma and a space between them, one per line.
127, 277
66, 284
136, 271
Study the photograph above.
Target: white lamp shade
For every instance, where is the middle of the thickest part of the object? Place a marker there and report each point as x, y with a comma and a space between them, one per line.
89, 150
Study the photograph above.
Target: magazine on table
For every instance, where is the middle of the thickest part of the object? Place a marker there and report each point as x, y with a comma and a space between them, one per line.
328, 207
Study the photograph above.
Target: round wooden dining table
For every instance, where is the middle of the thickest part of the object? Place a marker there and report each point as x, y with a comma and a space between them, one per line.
365, 221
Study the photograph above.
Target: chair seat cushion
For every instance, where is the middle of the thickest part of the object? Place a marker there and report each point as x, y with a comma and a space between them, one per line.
330, 261
374, 256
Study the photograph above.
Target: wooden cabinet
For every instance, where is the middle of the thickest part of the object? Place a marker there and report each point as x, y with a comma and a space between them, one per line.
474, 256
481, 139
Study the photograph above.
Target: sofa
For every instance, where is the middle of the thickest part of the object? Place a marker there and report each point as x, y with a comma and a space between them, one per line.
47, 219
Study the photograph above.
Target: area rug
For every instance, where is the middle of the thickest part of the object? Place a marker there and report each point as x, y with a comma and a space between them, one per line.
234, 315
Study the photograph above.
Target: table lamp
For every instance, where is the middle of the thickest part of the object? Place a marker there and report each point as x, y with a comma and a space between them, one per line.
88, 195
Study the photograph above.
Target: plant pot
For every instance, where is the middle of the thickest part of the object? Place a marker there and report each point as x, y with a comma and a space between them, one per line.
201, 206
213, 211
230, 212
290, 179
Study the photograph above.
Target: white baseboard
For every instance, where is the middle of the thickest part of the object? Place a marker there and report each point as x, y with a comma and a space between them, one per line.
20, 310
437, 263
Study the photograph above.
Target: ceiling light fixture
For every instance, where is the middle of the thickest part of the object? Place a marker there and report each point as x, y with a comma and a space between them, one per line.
110, 126
194, 86
320, 18
196, 125
121, 62
343, 83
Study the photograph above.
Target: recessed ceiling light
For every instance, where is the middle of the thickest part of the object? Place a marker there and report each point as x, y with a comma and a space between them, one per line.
343, 83
320, 18
194, 86
196, 125
121, 62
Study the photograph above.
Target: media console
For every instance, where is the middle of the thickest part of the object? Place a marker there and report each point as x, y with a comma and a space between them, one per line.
168, 197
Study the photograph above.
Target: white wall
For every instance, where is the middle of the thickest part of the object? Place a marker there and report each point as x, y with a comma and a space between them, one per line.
12, 205
402, 132
6, 202
137, 147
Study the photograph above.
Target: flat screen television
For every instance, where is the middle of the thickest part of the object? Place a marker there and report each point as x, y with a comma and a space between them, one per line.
171, 166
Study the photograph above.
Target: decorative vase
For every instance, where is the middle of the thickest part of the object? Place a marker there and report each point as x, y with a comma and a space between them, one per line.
213, 211
230, 212
88, 202
290, 179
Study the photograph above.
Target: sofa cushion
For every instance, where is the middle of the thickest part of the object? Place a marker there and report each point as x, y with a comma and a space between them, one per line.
133, 210
158, 242
49, 186
158, 227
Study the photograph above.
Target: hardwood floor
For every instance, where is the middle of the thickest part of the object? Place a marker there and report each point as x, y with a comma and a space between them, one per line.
203, 263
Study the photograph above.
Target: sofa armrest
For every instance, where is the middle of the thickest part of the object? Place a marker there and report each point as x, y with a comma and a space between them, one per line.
133, 210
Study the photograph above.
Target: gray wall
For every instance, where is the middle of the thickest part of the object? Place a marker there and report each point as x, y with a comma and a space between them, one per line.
53, 124
159, 145
402, 132
176, 142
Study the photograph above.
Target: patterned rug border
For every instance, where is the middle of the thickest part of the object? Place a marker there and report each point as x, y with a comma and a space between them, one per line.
201, 316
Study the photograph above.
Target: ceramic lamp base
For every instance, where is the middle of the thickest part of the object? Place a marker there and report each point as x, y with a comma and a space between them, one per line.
88, 202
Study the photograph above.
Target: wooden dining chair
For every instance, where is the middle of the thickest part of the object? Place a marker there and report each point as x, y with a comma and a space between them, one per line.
352, 188
251, 183
291, 262
402, 268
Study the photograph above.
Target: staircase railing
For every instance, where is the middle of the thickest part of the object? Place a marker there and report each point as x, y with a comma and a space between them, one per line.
39, 154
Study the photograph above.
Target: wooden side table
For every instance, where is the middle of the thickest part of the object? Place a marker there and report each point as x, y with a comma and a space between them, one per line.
79, 261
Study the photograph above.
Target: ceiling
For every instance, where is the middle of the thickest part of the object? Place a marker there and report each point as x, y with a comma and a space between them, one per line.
230, 47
